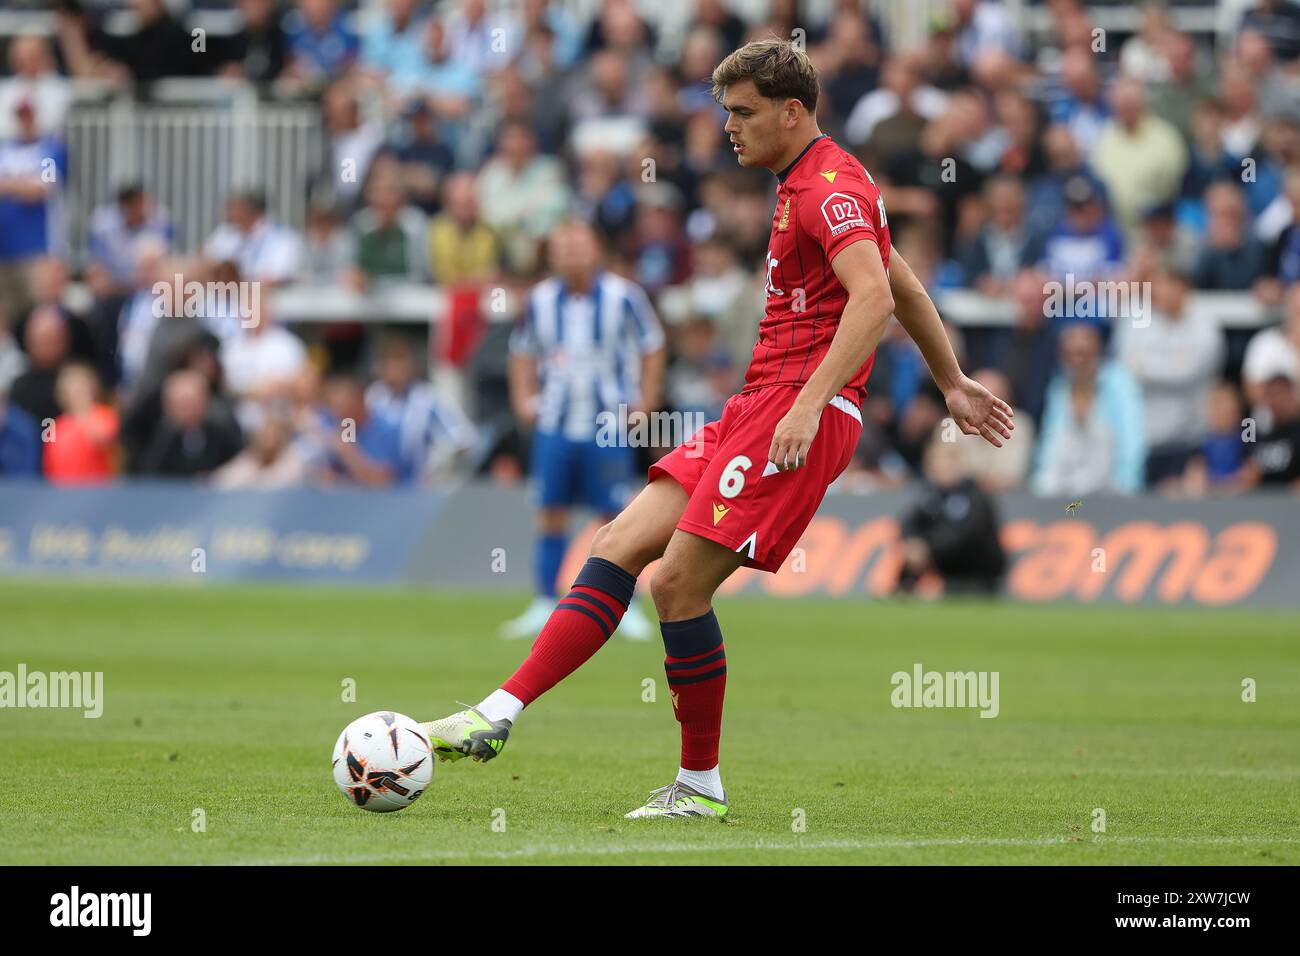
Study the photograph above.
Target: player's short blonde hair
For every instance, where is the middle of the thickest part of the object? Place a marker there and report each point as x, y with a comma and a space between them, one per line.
779, 69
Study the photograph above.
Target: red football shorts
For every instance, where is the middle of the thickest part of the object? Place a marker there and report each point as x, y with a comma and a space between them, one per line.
737, 497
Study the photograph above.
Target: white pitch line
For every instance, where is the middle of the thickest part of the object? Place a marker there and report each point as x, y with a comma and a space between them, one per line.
541, 850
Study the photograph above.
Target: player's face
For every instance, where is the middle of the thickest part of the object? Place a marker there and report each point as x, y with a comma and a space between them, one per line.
754, 125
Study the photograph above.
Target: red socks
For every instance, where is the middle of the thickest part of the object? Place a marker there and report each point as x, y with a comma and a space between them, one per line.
696, 666
580, 624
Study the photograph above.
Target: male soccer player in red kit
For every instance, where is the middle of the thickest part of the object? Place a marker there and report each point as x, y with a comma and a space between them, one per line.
832, 284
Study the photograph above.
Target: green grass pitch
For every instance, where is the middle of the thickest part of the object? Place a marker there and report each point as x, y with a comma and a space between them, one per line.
228, 700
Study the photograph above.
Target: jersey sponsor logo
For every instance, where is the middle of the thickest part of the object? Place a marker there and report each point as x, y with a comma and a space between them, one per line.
842, 213
830, 175
770, 289
719, 512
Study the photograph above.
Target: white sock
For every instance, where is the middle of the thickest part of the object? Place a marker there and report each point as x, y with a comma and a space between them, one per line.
707, 782
501, 705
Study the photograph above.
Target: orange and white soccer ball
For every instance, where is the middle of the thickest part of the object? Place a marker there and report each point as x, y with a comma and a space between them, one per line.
382, 761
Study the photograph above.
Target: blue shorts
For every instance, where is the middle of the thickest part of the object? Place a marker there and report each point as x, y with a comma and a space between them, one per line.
572, 473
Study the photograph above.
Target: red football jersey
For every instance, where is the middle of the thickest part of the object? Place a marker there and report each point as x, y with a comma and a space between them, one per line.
825, 200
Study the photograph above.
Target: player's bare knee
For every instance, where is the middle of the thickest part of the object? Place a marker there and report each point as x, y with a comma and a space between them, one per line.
670, 591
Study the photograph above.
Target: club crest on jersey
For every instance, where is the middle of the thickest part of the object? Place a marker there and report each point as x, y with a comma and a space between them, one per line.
785, 217
842, 213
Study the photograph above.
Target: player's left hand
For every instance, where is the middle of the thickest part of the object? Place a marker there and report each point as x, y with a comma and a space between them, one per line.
977, 411
793, 437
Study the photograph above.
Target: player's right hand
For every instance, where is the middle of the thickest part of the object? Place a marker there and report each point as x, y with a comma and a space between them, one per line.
977, 411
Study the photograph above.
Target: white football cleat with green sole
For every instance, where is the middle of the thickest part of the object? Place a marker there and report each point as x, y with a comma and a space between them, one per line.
467, 733
679, 800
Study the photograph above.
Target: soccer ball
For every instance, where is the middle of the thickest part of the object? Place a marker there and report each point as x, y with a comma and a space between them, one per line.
382, 761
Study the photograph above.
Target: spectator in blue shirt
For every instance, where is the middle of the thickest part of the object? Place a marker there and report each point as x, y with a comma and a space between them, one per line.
360, 448
1082, 104
1085, 247
1045, 198
20, 442
32, 170
394, 39
115, 229
321, 45
1092, 438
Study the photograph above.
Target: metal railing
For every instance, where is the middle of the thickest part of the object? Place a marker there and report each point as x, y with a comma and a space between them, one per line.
190, 151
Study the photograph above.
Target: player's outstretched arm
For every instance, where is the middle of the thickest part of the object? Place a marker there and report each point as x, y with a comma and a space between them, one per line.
973, 407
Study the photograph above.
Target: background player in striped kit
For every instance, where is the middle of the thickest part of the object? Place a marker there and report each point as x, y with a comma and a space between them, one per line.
590, 345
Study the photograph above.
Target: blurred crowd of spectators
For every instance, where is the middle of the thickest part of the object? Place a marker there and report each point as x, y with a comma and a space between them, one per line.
459, 134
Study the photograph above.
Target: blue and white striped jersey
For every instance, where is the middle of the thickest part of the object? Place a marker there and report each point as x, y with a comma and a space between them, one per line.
589, 345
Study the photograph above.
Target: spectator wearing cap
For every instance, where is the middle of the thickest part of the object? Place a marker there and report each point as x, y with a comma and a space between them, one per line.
1164, 241
1087, 246
1279, 22
426, 159
1231, 258
33, 168
35, 80
1045, 196
1274, 461
1139, 156
1176, 357
264, 250
1272, 352
1092, 431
